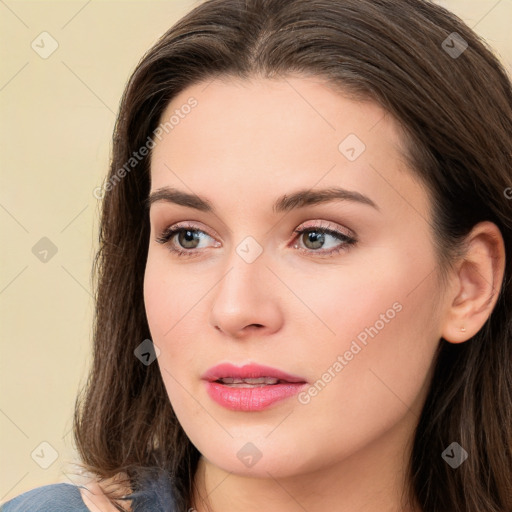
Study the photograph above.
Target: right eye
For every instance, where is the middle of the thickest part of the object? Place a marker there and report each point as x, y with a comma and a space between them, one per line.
188, 239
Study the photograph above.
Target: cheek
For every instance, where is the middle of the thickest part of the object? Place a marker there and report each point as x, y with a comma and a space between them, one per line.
373, 369
163, 311
169, 296
164, 308
157, 301
173, 306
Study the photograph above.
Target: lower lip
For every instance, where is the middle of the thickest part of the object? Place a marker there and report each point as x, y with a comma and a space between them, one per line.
251, 399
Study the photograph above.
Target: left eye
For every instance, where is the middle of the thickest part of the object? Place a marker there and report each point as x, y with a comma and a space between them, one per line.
316, 236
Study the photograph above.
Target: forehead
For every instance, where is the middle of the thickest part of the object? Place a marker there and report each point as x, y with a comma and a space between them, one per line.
250, 139
249, 114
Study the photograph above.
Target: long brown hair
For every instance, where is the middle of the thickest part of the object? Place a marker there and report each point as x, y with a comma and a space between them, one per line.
455, 110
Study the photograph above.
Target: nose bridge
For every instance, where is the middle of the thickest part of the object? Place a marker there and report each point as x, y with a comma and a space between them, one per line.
244, 295
246, 268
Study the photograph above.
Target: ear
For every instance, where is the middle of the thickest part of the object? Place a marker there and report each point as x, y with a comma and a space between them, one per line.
477, 283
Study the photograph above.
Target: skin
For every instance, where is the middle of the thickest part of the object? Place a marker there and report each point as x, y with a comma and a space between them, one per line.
242, 146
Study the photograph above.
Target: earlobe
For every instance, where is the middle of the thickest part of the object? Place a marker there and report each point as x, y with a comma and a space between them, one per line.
478, 283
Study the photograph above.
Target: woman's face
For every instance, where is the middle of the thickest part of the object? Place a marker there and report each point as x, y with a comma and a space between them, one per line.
357, 323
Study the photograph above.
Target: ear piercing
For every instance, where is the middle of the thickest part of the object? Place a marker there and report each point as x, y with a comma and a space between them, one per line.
463, 329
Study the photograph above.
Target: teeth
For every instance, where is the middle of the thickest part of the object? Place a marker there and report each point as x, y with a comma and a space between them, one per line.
259, 380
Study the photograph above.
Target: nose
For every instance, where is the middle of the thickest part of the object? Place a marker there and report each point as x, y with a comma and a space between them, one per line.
245, 301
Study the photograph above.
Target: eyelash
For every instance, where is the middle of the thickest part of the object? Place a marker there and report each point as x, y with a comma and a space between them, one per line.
348, 241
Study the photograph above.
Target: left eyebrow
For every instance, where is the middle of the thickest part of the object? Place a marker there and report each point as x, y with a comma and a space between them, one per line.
285, 203
308, 197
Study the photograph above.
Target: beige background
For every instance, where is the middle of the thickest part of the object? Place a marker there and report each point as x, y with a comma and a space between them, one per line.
57, 118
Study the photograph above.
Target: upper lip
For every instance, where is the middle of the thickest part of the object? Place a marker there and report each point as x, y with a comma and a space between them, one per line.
248, 371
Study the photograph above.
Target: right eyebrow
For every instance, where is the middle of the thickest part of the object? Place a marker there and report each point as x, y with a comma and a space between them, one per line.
173, 195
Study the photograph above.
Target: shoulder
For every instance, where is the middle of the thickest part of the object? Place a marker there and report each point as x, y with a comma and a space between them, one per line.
155, 494
61, 497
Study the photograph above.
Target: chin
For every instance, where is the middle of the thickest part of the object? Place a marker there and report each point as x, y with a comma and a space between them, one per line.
259, 457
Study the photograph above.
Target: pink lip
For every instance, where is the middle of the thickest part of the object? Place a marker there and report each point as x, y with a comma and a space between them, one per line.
250, 399
248, 371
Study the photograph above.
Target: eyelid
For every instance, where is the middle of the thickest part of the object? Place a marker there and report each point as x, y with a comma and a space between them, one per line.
187, 225
326, 226
345, 236
169, 232
346, 241
306, 225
